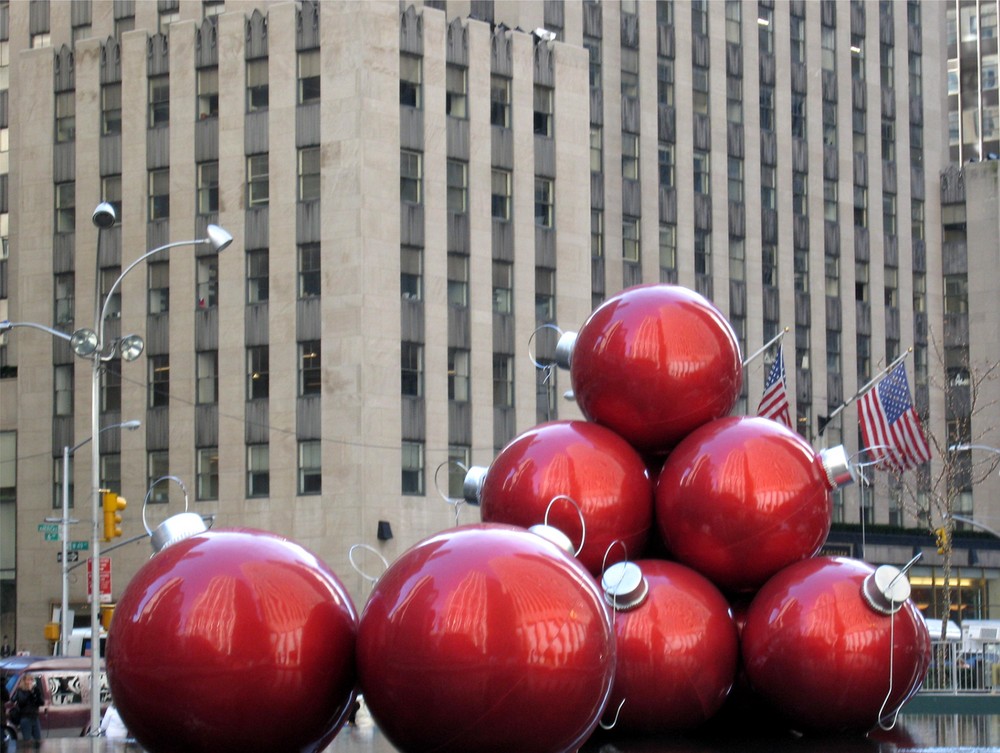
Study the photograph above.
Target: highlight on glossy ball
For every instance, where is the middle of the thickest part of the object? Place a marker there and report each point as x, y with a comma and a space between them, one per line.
579, 477
655, 362
486, 638
233, 641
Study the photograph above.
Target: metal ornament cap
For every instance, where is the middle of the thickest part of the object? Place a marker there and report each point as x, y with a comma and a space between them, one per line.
564, 349
472, 487
624, 586
886, 589
555, 536
176, 528
838, 470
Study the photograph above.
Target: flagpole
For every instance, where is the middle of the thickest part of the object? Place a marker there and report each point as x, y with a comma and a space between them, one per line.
766, 345
863, 390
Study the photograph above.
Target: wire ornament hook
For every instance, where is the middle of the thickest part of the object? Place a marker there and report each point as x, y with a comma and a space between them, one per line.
614, 721
455, 502
882, 724
149, 494
373, 579
548, 368
621, 579
579, 512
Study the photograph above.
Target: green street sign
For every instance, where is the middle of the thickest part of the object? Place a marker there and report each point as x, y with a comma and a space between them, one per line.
79, 546
52, 536
48, 528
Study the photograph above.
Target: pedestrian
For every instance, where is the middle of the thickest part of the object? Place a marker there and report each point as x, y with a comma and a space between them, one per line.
27, 701
5, 649
112, 725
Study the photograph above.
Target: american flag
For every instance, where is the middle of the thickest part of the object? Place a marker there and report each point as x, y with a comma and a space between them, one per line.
890, 428
774, 403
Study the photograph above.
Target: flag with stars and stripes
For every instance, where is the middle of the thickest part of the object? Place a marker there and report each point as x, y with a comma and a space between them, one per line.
890, 428
774, 403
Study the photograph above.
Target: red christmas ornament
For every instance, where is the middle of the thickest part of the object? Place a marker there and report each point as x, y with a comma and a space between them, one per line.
835, 644
653, 363
677, 646
741, 498
233, 641
486, 638
592, 466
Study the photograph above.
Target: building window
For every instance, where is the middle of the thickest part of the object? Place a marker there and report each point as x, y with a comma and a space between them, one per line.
630, 238
857, 57
258, 375
888, 141
207, 377
309, 270
159, 380
412, 468
411, 359
630, 72
158, 296
734, 100
544, 199
800, 194
410, 94
699, 87
310, 467
310, 368
458, 186
309, 173
503, 287
668, 247
456, 79
665, 160
766, 97
543, 111
765, 29
208, 473
111, 192
593, 47
736, 180
503, 380
768, 187
159, 102
257, 180
702, 176
665, 81
257, 275
800, 263
596, 149
702, 252
797, 33
892, 287
113, 303
889, 213
111, 109
887, 65
458, 375
830, 192
65, 207
410, 176
861, 282
769, 265
956, 294
458, 280
308, 77
501, 187
111, 388
257, 85
208, 281
208, 187
831, 270
860, 206
799, 116
630, 156
63, 390
65, 117
159, 194
596, 234
157, 466
64, 305
258, 470
737, 258
545, 294
411, 274
500, 101
208, 93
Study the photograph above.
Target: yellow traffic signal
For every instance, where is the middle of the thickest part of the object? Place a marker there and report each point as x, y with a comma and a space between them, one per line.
942, 539
113, 504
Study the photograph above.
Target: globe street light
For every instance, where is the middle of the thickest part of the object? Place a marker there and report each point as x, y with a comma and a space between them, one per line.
91, 344
64, 631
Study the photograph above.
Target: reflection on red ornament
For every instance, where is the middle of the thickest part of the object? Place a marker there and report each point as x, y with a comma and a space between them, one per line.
829, 651
233, 641
677, 646
592, 466
486, 638
653, 363
741, 498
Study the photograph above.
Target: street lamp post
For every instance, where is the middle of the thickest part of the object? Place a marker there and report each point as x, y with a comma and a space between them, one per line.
90, 344
64, 535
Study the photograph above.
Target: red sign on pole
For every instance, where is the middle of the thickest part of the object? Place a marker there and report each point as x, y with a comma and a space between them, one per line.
104, 571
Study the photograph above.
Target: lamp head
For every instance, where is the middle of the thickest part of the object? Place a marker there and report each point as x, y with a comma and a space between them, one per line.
131, 425
218, 237
130, 347
104, 216
84, 342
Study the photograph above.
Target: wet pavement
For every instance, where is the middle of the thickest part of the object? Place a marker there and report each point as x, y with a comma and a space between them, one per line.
954, 733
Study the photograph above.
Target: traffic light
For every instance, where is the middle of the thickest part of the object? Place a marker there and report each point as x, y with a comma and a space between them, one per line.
942, 539
113, 504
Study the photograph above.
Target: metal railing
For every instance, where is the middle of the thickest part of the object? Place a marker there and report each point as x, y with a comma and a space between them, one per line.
954, 670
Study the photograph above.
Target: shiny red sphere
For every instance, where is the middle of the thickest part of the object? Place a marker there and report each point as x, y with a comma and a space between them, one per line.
816, 650
486, 638
740, 499
591, 465
233, 641
655, 362
677, 652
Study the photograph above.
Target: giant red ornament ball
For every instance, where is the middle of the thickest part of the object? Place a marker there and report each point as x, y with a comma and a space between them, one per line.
233, 641
677, 647
742, 497
486, 638
605, 478
824, 653
655, 362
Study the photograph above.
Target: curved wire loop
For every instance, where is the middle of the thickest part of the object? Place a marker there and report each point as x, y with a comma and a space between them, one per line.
614, 721
455, 502
548, 368
357, 568
583, 522
149, 494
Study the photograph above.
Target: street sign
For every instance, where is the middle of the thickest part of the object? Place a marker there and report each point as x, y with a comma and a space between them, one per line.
104, 579
70, 557
52, 536
48, 528
79, 546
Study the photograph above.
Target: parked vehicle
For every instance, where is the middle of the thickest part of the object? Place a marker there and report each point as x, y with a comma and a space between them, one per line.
65, 684
79, 643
